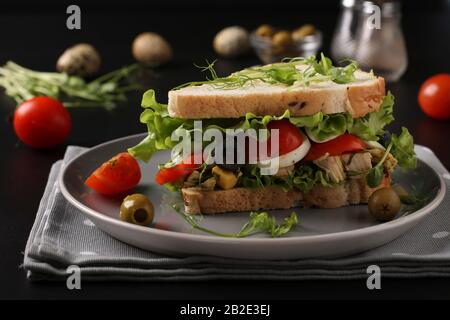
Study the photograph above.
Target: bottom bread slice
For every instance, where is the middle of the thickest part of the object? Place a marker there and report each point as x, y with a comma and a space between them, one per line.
352, 191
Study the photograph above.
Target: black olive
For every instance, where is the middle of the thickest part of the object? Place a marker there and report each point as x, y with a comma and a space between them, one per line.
232, 165
385, 138
235, 168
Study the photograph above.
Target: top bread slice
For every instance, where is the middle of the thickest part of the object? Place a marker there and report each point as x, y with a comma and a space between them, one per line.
358, 98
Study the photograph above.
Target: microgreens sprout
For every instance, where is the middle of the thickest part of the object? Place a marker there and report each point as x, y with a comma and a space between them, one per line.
21, 84
285, 73
258, 222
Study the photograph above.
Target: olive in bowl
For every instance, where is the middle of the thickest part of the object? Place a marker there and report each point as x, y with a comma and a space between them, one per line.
384, 204
272, 45
137, 209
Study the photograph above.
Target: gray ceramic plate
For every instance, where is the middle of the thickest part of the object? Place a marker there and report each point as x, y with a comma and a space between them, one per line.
321, 232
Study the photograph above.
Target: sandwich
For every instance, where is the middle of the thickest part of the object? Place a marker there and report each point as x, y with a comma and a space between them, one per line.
317, 138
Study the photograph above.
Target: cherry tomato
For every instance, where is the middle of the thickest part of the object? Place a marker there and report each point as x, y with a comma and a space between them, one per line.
42, 122
186, 167
343, 144
117, 175
434, 96
289, 136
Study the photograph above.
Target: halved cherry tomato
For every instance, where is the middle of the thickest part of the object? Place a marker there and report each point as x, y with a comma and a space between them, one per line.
345, 143
289, 136
117, 175
186, 167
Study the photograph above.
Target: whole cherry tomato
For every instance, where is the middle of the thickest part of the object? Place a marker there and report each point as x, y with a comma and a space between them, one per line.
42, 122
434, 96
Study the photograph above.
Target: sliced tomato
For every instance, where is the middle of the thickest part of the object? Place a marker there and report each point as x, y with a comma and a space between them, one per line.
289, 139
345, 143
117, 175
192, 162
289, 135
177, 172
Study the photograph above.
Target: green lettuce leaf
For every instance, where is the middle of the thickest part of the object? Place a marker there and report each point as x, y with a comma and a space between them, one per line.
252, 121
304, 178
307, 121
403, 149
159, 125
251, 178
330, 126
371, 126
319, 126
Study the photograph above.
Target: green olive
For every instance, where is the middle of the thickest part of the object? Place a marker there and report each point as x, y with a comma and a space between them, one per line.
303, 31
384, 204
137, 209
282, 39
265, 30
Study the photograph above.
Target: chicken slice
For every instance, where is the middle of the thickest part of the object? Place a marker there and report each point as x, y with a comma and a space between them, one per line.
357, 164
332, 165
389, 164
285, 172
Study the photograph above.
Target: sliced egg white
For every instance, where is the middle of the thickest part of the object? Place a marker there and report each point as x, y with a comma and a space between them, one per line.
311, 136
375, 145
293, 156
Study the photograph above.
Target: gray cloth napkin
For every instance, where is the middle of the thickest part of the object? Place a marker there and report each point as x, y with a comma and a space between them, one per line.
62, 236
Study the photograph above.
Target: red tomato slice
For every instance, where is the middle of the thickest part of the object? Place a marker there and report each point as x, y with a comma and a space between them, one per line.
343, 144
117, 175
186, 167
191, 162
289, 136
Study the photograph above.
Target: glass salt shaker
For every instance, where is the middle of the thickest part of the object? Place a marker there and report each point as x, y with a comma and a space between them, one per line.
380, 44
343, 43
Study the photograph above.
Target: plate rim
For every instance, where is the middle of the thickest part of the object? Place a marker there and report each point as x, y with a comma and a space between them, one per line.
410, 218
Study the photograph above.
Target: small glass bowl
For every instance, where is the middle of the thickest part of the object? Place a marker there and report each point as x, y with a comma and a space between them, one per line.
269, 53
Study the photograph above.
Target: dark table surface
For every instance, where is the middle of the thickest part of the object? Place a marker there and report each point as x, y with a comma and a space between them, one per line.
35, 38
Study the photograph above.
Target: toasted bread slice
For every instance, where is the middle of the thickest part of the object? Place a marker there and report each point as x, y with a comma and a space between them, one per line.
352, 191
358, 98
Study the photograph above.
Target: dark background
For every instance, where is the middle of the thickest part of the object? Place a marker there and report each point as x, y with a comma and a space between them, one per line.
34, 35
